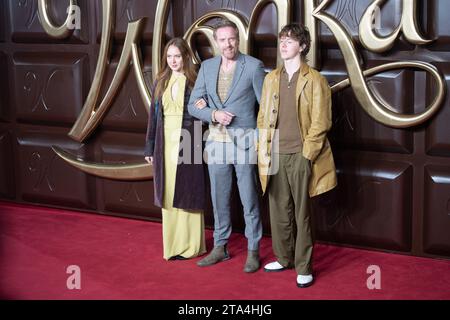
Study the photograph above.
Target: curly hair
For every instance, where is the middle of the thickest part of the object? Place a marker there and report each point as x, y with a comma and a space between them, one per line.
299, 33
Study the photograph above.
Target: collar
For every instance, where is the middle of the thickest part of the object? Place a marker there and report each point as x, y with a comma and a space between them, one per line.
304, 70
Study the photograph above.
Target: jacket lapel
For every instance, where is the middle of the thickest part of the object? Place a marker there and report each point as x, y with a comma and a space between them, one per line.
215, 68
302, 80
276, 90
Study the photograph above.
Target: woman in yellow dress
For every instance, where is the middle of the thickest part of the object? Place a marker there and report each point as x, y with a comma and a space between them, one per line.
179, 182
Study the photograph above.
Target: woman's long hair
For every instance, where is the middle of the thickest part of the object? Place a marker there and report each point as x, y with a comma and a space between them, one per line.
189, 68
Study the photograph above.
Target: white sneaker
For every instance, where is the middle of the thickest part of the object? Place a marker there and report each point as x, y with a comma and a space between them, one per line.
305, 281
274, 267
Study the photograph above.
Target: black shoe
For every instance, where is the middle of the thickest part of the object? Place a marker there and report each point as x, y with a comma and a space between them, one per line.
177, 257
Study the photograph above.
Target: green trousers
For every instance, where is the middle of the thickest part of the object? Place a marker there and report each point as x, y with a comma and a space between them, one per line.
289, 205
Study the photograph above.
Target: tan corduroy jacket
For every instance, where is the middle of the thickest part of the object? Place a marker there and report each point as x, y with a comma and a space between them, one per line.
314, 116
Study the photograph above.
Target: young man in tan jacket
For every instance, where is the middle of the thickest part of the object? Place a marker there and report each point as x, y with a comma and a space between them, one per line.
294, 156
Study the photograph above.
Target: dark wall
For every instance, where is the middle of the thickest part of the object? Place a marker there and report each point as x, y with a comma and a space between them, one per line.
394, 184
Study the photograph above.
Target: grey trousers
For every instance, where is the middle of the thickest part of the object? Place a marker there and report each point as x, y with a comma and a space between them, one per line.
221, 178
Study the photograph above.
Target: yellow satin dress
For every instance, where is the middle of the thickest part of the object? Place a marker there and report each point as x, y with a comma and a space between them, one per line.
183, 230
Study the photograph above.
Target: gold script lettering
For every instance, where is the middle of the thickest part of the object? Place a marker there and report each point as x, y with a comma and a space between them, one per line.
377, 109
57, 32
408, 25
91, 115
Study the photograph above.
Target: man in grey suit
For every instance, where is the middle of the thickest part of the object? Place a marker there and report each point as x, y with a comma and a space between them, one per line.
225, 95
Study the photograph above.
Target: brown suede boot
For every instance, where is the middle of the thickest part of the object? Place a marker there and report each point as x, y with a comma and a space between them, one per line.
218, 254
252, 264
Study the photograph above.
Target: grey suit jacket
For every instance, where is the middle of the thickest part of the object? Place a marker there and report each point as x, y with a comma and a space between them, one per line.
244, 93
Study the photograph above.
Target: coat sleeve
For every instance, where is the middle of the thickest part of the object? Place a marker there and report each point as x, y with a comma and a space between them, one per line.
321, 119
198, 93
151, 125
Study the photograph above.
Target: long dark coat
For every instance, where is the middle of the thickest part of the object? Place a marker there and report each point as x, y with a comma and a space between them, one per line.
190, 190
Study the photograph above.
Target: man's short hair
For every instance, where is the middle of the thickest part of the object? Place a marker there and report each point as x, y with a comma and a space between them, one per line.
223, 23
299, 33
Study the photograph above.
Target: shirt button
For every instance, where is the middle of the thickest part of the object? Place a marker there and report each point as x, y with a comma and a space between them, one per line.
274, 111
272, 126
275, 96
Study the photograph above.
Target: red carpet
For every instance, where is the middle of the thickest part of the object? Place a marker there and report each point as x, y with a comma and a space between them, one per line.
122, 259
